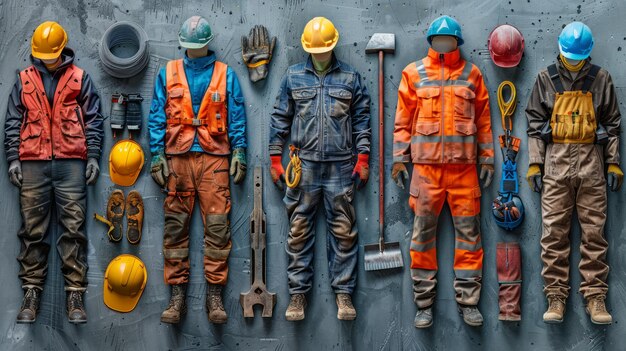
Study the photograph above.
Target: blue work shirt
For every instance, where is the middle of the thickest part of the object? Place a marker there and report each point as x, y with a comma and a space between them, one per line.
198, 72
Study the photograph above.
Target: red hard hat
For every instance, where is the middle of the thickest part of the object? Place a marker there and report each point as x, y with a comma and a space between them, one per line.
506, 46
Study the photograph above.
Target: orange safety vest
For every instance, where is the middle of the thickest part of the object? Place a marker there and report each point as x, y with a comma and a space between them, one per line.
182, 124
57, 131
443, 113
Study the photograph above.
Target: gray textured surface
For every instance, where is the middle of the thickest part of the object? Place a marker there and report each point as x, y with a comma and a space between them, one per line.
383, 300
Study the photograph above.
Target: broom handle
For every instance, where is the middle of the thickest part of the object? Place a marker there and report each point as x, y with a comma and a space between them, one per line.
381, 148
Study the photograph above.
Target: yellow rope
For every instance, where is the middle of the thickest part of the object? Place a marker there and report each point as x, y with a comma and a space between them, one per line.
507, 108
294, 168
572, 68
107, 222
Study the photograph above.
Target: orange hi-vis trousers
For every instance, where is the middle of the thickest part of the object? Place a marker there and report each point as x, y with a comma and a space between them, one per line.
431, 186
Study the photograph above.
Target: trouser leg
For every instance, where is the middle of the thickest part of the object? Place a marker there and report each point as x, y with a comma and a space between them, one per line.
35, 207
342, 251
426, 201
301, 203
464, 201
509, 268
70, 193
214, 196
178, 207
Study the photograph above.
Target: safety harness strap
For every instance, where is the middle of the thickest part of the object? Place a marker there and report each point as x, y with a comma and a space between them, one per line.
591, 76
556, 78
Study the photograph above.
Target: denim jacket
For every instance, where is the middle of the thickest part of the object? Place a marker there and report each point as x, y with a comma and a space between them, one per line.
327, 115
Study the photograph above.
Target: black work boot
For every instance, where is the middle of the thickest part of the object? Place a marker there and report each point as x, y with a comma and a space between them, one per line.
177, 306
75, 307
214, 306
295, 310
471, 315
30, 305
423, 317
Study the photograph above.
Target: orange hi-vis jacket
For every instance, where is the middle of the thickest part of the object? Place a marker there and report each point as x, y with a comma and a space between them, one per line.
182, 124
443, 113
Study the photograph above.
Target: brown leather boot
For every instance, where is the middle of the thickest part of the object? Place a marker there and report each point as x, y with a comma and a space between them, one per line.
214, 305
75, 307
295, 310
556, 309
177, 306
30, 306
345, 309
134, 217
115, 214
596, 308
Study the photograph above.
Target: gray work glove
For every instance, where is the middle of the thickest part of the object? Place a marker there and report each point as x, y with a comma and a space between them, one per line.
256, 50
159, 169
399, 174
92, 171
15, 173
238, 165
486, 174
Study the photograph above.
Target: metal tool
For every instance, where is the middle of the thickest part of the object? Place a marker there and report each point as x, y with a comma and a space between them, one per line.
258, 294
382, 255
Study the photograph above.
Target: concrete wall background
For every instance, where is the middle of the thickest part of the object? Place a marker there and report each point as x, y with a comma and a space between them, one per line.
383, 299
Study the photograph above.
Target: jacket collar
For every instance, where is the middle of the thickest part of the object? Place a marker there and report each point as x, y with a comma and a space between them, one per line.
333, 66
568, 75
67, 55
450, 58
200, 63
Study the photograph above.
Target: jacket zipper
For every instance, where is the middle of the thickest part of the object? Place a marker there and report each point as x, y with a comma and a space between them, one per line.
443, 132
321, 114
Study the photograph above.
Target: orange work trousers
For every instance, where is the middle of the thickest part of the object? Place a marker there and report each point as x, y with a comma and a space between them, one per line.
431, 186
204, 175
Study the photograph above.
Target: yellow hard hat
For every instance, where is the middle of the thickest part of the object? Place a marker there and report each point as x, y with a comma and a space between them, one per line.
48, 41
125, 162
319, 36
124, 282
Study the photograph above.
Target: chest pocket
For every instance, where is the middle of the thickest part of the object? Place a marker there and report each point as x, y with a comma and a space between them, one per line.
174, 105
464, 104
340, 100
305, 102
217, 121
429, 103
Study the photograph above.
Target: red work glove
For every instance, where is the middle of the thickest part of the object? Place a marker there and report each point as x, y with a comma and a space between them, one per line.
277, 171
361, 172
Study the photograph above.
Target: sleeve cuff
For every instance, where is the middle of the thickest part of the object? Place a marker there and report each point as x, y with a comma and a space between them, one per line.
535, 160
12, 156
276, 150
94, 153
402, 159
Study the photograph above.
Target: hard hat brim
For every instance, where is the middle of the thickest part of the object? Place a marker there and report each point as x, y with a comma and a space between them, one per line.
187, 45
123, 180
51, 56
120, 303
506, 63
319, 50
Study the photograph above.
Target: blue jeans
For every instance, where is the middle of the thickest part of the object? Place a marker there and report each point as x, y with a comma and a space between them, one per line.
332, 180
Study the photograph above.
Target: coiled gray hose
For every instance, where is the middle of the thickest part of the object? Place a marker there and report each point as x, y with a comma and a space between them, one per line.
124, 50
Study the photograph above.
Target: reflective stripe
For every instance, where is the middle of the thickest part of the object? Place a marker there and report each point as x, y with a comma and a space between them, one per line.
173, 254
468, 273
487, 160
400, 146
403, 158
485, 146
423, 246
467, 139
216, 254
468, 245
438, 83
467, 70
421, 70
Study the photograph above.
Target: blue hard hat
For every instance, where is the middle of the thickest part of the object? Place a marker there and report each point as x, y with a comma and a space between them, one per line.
576, 41
508, 211
445, 25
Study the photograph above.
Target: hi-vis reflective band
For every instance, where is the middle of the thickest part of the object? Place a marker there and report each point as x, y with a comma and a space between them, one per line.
462, 80
257, 64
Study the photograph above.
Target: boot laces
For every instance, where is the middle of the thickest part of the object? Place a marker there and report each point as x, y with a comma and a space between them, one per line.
598, 304
297, 301
555, 301
30, 300
345, 301
75, 301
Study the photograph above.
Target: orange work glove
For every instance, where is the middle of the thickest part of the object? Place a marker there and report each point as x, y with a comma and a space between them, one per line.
399, 174
277, 171
361, 172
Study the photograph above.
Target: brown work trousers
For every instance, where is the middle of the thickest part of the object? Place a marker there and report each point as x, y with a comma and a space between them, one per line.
574, 177
204, 175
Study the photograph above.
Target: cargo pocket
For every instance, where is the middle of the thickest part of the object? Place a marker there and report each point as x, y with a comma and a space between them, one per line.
339, 123
291, 199
173, 107
72, 129
426, 143
217, 124
476, 194
463, 149
30, 136
429, 104
304, 102
464, 108
414, 192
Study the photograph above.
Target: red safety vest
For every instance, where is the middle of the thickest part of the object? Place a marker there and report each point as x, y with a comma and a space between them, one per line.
57, 131
182, 124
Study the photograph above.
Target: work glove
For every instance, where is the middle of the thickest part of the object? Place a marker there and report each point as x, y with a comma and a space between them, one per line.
533, 176
15, 173
486, 174
614, 177
159, 169
361, 172
399, 174
277, 171
92, 171
238, 165
256, 50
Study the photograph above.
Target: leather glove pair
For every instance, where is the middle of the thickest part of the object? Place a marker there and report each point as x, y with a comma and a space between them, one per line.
159, 169
238, 165
614, 177
533, 176
92, 170
256, 50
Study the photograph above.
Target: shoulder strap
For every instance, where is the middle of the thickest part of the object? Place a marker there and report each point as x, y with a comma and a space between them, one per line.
175, 73
556, 78
591, 76
218, 79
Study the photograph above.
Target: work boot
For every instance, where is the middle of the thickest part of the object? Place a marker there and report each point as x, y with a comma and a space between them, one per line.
596, 308
345, 309
423, 318
177, 306
471, 315
134, 217
115, 214
30, 305
75, 308
556, 309
214, 306
295, 310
